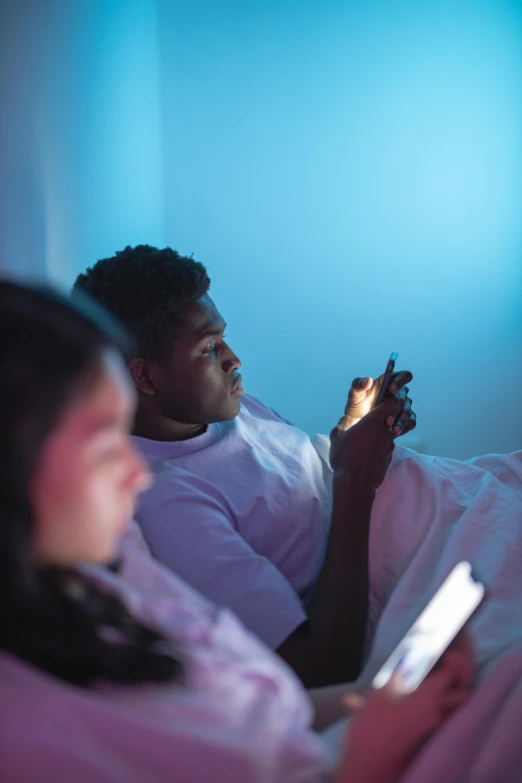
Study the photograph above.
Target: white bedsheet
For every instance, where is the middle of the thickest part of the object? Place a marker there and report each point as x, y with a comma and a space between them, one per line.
481, 742
429, 514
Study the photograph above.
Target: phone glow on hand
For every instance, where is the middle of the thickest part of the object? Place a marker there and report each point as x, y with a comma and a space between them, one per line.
433, 631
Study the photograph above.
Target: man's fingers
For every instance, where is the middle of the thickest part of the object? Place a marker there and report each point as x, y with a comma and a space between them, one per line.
402, 394
390, 408
398, 380
406, 420
405, 423
412, 422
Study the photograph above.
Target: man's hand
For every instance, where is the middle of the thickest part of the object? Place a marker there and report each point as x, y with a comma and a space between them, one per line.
363, 452
362, 396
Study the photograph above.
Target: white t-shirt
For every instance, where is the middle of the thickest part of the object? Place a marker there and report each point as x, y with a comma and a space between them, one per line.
241, 715
242, 514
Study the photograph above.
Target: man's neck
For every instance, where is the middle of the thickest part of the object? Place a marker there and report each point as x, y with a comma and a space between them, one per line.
164, 429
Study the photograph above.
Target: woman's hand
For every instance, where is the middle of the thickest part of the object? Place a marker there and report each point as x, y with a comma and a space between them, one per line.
389, 728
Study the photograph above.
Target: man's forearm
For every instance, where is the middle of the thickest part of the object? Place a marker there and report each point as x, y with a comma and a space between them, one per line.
328, 648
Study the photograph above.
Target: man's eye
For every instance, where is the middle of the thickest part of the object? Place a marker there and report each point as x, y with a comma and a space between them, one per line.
213, 345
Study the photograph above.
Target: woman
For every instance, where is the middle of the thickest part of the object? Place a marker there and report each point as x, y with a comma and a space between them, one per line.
91, 686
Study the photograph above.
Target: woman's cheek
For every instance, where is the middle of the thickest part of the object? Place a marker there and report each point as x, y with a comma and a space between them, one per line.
108, 492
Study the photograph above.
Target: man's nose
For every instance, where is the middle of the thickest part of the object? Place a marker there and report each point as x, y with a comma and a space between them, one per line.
231, 362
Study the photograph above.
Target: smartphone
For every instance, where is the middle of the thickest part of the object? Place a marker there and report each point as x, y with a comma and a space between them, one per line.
433, 631
390, 367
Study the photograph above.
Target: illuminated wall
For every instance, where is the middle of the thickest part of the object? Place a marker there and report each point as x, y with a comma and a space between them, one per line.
80, 122
351, 174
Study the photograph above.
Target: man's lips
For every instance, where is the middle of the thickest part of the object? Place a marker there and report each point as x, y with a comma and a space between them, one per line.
237, 387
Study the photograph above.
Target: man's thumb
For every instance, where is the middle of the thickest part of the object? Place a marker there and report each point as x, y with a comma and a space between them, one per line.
359, 388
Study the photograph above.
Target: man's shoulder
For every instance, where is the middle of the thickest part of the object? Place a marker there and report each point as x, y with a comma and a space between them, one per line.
175, 481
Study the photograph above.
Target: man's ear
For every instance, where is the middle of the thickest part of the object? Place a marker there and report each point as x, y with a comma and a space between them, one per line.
141, 375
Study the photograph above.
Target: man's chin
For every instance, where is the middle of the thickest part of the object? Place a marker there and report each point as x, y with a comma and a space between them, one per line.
230, 412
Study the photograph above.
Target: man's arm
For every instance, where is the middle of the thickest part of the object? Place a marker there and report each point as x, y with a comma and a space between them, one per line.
328, 647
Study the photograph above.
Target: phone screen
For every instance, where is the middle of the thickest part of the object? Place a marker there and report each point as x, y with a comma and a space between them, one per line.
434, 630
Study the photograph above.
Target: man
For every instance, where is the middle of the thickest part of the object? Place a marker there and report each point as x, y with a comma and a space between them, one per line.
243, 508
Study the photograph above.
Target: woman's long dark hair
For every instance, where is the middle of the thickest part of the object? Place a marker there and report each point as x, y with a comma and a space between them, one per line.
48, 345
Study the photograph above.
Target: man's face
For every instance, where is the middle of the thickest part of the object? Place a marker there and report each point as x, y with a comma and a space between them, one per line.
197, 381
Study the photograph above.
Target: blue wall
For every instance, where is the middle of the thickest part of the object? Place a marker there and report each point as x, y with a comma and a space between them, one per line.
81, 169
351, 174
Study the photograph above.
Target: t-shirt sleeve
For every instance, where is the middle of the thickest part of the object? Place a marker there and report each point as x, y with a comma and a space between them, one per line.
189, 530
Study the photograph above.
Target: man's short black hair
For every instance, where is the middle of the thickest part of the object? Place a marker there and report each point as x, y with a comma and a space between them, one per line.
147, 290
